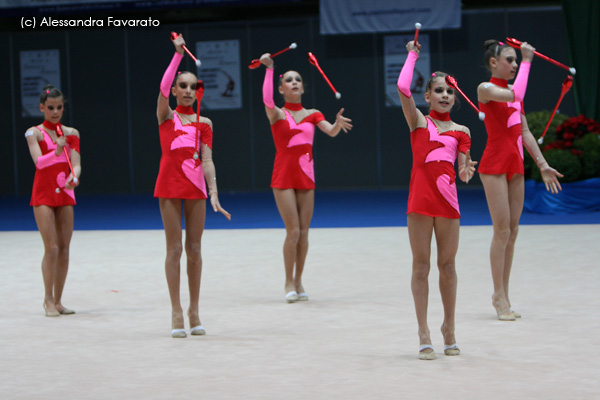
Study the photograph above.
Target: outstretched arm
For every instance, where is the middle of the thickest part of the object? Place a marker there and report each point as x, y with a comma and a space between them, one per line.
210, 175
341, 123
466, 166
273, 113
163, 111
488, 92
549, 175
411, 113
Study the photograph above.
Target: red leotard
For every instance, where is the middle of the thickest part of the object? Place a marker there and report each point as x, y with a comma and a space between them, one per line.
49, 182
293, 167
179, 175
432, 189
503, 152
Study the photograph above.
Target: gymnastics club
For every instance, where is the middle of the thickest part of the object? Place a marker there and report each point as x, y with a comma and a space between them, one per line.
196, 61
568, 82
517, 45
417, 27
313, 60
450, 81
59, 132
256, 62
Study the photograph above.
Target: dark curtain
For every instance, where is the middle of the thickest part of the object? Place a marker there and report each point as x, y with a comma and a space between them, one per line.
582, 19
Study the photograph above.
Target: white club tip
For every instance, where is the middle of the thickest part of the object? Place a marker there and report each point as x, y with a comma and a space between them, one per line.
418, 26
338, 95
540, 140
198, 63
75, 181
481, 116
572, 71
293, 46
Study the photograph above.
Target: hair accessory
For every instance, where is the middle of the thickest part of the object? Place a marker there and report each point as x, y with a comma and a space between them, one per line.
281, 75
47, 91
500, 43
178, 72
433, 74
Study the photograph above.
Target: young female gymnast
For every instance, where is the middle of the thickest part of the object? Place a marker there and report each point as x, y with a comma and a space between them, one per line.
53, 195
501, 169
436, 142
185, 164
293, 179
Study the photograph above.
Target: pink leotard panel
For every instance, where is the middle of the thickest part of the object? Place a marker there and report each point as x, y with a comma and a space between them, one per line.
51, 175
294, 164
432, 189
180, 176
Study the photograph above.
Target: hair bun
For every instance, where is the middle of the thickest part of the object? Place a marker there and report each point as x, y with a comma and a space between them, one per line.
489, 43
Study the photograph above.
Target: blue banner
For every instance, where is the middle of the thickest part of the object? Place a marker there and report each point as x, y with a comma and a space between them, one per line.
369, 16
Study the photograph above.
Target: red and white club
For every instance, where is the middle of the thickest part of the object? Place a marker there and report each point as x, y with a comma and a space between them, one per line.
196, 61
313, 60
417, 27
517, 45
450, 81
256, 62
566, 85
59, 132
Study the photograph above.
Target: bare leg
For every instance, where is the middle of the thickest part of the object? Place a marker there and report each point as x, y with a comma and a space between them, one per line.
45, 220
420, 230
288, 209
447, 236
195, 213
64, 231
306, 205
516, 197
496, 192
170, 211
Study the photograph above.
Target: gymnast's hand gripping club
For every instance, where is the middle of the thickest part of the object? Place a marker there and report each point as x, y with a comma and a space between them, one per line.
450, 81
517, 45
256, 62
313, 60
196, 61
59, 132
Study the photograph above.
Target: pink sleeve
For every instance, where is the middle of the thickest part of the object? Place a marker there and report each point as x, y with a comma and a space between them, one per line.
268, 88
406, 75
169, 76
46, 160
520, 85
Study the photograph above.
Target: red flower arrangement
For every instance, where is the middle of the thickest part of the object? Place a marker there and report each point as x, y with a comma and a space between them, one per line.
571, 130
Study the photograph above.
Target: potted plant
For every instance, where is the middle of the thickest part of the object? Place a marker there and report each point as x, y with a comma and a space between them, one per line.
571, 146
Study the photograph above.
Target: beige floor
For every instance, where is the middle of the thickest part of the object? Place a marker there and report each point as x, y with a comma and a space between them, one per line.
355, 338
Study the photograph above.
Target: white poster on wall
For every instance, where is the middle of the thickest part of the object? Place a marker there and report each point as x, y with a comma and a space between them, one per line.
395, 54
38, 68
220, 71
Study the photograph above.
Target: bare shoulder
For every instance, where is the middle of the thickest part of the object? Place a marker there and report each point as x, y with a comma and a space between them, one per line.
206, 121
462, 128
70, 131
34, 131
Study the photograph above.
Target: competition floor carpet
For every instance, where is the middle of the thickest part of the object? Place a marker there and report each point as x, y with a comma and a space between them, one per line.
355, 339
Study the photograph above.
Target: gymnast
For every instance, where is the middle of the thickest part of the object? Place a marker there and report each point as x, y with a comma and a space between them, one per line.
293, 179
185, 164
54, 149
501, 169
436, 143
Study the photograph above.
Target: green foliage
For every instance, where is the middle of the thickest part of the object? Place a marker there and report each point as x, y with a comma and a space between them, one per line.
589, 148
571, 146
538, 120
564, 161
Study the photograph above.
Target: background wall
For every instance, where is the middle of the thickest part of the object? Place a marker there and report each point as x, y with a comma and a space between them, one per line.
111, 77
